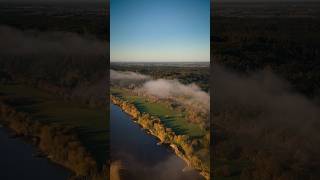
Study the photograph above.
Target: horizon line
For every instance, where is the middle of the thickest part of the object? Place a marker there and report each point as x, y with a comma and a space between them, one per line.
159, 61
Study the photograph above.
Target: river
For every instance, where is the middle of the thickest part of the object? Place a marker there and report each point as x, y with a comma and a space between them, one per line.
17, 161
139, 153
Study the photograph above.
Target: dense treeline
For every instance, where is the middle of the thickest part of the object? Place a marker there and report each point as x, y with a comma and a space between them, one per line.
60, 143
254, 141
195, 74
288, 46
192, 112
251, 148
65, 64
193, 151
64, 50
64, 53
83, 18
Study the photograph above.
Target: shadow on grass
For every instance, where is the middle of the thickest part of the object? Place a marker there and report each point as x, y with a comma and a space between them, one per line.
140, 106
118, 95
35, 111
169, 122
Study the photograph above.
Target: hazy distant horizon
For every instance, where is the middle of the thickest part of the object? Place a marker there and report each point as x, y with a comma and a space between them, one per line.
160, 61
155, 60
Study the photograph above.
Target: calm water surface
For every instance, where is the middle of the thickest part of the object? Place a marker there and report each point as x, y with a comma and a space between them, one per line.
17, 161
140, 155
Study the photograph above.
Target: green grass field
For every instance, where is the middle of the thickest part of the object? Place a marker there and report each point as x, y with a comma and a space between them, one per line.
91, 124
169, 117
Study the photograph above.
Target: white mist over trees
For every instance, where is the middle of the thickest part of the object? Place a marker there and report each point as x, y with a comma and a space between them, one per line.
69, 64
127, 75
258, 117
266, 92
189, 94
18, 42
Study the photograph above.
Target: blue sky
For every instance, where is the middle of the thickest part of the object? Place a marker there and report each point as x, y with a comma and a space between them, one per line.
160, 30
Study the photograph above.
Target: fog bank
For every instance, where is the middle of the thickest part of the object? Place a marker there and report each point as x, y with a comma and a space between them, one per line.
189, 94
266, 103
17, 42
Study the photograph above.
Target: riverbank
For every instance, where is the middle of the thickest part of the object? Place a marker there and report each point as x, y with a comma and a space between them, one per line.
181, 144
60, 144
14, 150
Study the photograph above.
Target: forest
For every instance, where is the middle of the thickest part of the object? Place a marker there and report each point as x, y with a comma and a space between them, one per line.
184, 146
60, 143
176, 113
197, 73
53, 86
266, 88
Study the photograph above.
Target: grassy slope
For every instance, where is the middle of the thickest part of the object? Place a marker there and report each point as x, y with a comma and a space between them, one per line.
91, 123
171, 118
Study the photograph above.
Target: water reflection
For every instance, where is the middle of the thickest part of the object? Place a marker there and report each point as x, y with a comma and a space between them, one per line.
17, 161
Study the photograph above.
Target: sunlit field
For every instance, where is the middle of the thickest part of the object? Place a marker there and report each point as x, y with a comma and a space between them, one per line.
171, 118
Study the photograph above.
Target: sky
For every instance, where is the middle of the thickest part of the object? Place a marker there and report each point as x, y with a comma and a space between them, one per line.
160, 30
58, 1
154, 0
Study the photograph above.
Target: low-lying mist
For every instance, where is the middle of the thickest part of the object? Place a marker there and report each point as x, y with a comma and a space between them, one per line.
265, 92
18, 42
132, 168
126, 78
63, 60
189, 94
260, 117
127, 75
